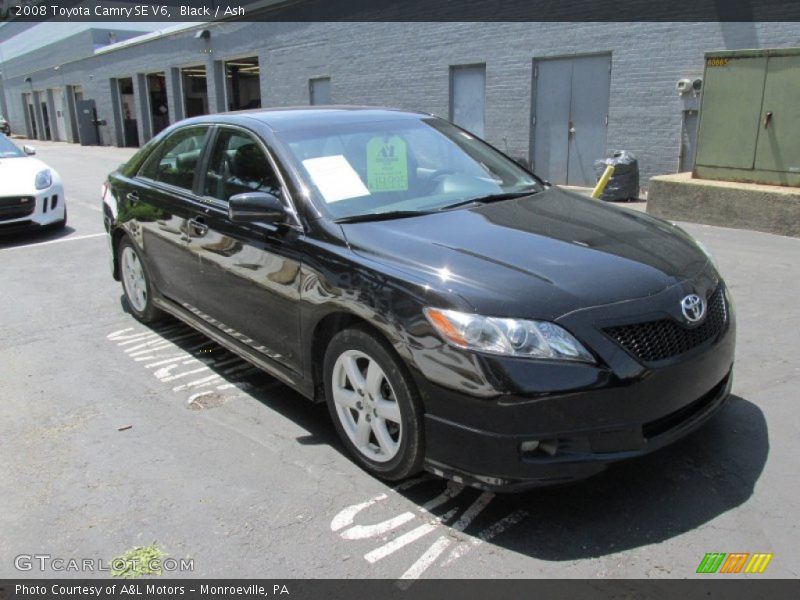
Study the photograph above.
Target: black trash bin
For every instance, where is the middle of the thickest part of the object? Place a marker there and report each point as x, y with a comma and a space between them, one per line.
624, 183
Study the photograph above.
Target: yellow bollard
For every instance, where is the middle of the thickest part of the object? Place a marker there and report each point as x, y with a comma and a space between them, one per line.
603, 181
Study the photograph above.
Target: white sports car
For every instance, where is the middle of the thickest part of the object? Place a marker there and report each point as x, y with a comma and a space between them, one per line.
31, 193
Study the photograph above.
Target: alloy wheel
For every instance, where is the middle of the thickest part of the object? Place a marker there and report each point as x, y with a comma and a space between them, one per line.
367, 406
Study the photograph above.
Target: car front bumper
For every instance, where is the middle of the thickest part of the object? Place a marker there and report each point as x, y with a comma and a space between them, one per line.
583, 416
41, 209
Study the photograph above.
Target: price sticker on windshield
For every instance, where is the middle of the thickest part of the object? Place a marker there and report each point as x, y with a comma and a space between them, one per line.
387, 164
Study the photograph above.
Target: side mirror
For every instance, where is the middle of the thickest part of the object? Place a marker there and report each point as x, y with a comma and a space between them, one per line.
29, 150
255, 206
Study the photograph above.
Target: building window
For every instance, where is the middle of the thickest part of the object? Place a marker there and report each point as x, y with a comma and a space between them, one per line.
468, 97
319, 91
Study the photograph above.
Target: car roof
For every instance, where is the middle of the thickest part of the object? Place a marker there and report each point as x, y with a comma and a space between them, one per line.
282, 119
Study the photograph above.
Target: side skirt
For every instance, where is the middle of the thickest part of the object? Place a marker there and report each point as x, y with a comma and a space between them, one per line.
291, 379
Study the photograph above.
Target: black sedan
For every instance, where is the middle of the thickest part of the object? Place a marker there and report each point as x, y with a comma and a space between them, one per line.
456, 313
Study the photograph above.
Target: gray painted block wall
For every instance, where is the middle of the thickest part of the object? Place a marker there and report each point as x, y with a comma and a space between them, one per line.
407, 65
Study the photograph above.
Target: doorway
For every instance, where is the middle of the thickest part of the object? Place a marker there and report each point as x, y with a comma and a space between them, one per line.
468, 97
243, 83
570, 117
159, 106
58, 107
46, 122
87, 122
30, 115
127, 105
195, 91
319, 91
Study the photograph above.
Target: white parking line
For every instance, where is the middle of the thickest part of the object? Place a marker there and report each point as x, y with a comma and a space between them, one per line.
86, 205
429, 557
484, 536
452, 537
182, 375
199, 382
72, 238
405, 539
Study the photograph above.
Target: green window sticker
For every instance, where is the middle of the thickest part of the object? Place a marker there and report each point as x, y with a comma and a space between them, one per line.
387, 164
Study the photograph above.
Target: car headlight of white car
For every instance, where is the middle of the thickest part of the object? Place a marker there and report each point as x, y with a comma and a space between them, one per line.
44, 179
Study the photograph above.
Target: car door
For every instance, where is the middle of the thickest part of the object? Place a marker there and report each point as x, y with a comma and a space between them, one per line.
249, 285
160, 204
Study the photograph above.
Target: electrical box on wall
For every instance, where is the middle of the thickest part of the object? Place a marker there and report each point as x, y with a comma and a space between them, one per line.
750, 117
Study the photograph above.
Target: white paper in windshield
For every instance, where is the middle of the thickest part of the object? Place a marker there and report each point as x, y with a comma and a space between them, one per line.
335, 178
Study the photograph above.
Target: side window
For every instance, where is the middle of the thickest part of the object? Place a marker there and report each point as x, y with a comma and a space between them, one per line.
175, 161
238, 165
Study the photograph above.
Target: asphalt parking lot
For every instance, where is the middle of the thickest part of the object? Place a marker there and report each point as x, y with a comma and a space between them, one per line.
115, 435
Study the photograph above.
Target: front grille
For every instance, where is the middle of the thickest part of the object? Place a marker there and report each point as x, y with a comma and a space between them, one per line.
16, 207
657, 340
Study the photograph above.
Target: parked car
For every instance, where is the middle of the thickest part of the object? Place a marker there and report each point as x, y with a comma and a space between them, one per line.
31, 192
455, 312
5, 126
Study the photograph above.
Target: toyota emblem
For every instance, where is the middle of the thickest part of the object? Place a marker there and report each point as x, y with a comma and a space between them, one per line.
693, 308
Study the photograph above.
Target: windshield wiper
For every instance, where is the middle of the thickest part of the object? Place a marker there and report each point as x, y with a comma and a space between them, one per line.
489, 198
382, 216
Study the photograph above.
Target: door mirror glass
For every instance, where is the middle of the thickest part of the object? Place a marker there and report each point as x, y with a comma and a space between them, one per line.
256, 206
29, 150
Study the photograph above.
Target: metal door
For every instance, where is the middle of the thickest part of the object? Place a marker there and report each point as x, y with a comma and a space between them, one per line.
58, 103
778, 147
320, 91
87, 122
468, 97
570, 117
732, 93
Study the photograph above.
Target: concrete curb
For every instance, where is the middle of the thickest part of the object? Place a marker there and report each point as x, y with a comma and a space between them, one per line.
768, 208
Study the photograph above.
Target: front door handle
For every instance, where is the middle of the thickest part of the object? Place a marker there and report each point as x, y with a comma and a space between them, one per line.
767, 119
198, 227
132, 197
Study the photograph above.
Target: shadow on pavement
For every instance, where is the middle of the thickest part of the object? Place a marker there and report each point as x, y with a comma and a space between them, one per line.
634, 503
33, 237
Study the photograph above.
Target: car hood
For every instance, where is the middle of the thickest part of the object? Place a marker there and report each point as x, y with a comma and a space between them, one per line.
18, 175
539, 256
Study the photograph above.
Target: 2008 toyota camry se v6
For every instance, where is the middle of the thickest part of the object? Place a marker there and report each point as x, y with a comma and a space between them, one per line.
456, 313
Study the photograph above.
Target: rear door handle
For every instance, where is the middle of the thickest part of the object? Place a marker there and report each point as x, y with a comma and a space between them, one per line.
132, 196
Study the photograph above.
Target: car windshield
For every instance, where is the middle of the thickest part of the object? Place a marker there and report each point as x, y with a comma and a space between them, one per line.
402, 167
8, 149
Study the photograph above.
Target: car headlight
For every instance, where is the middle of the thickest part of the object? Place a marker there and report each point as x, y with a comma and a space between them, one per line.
44, 179
507, 337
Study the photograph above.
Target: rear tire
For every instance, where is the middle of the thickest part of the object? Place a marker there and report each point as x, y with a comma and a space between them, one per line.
374, 404
136, 283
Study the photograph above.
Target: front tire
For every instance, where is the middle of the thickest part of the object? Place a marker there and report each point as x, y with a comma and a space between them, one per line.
374, 404
136, 283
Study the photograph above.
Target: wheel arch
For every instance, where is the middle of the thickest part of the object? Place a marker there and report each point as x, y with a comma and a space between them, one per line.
323, 332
